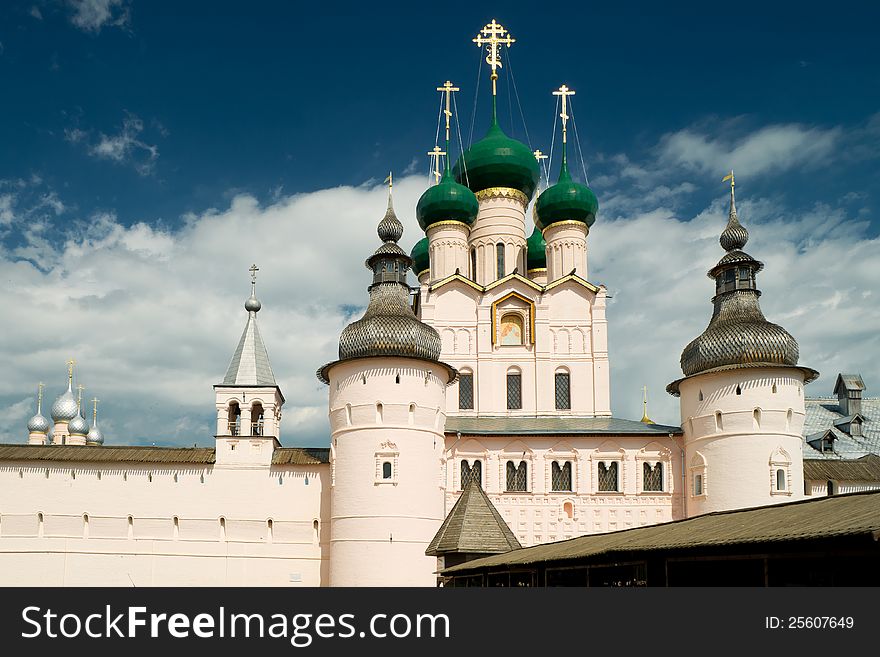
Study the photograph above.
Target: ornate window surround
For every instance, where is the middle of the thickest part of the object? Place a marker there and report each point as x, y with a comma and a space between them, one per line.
527, 314
698, 466
780, 459
387, 452
653, 454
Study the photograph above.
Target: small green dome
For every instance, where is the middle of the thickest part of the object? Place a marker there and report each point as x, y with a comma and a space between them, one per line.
447, 201
498, 161
419, 255
566, 201
536, 254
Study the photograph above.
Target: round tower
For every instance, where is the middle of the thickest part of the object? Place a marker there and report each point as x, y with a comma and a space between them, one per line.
564, 213
742, 396
387, 415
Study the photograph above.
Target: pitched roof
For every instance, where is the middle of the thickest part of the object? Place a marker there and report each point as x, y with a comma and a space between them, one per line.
849, 382
144, 454
866, 468
473, 526
250, 362
551, 424
825, 517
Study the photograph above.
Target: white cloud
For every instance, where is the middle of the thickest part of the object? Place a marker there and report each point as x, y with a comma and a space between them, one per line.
93, 15
770, 149
36, 13
124, 147
6, 213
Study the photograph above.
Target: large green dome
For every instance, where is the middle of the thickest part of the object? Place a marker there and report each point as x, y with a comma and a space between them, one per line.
419, 255
536, 251
498, 161
566, 201
447, 201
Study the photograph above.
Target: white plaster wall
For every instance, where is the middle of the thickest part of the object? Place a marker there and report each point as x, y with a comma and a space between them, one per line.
737, 454
448, 249
538, 515
566, 249
380, 528
110, 550
500, 219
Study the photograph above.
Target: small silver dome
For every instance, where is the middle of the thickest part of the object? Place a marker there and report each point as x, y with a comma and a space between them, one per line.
95, 436
78, 426
253, 305
65, 408
38, 424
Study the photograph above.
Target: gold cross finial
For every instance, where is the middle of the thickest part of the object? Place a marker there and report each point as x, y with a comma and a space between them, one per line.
253, 270
645, 417
565, 92
492, 36
435, 162
539, 155
447, 89
79, 394
70, 365
95, 401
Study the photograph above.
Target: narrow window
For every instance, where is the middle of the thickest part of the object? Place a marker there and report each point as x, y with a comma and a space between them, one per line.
739, 389
348, 414
774, 388
471, 472
698, 485
386, 470
500, 261
150, 476
514, 390
379, 413
222, 529
780, 479
563, 391
72, 474
40, 525
99, 475
652, 477
516, 477
85, 525
473, 265
412, 413
270, 530
397, 378
560, 476
466, 391
700, 398
719, 426
176, 531
130, 534
316, 531
756, 416
608, 476
47, 474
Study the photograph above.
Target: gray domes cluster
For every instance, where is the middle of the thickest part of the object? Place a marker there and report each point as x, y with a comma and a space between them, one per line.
66, 410
65, 407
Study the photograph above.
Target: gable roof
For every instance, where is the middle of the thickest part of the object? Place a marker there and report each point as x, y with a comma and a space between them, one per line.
849, 382
473, 526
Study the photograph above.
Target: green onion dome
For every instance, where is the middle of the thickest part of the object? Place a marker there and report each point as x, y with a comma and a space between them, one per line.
498, 161
536, 254
447, 201
566, 201
419, 255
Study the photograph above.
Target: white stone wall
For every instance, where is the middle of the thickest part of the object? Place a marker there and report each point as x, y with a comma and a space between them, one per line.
540, 514
741, 426
385, 410
131, 524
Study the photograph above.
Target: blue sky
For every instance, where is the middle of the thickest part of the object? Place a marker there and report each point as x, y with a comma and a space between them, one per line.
132, 128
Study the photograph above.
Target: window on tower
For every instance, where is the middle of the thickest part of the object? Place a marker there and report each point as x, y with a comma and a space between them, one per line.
473, 264
386, 470
466, 391
563, 391
499, 248
517, 481
514, 390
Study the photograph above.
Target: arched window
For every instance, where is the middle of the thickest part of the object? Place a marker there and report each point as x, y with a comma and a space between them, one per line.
780, 479
233, 417
739, 389
511, 329
514, 390
652, 477
517, 481
756, 417
700, 398
608, 476
774, 389
698, 484
563, 390
270, 530
379, 413
471, 472
176, 531
499, 271
560, 476
257, 419
719, 425
222, 528
386, 470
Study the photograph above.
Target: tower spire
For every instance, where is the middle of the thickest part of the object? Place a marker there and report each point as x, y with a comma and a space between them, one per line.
564, 92
39, 397
645, 419
70, 365
493, 37
735, 235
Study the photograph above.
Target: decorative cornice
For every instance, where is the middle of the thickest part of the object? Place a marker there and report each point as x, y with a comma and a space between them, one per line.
503, 192
446, 222
456, 277
573, 278
537, 270
566, 222
510, 277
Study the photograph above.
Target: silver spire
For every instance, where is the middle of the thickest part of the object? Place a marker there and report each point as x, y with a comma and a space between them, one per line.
250, 362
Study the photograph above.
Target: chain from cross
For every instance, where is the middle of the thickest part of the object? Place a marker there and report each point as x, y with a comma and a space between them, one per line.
447, 89
565, 92
435, 162
492, 36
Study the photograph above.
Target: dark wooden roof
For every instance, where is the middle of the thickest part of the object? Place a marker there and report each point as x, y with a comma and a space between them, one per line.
473, 526
141, 454
866, 468
825, 517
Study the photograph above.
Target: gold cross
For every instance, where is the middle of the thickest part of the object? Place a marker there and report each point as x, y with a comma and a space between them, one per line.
447, 88
80, 387
70, 365
95, 416
539, 155
253, 270
435, 162
565, 92
492, 36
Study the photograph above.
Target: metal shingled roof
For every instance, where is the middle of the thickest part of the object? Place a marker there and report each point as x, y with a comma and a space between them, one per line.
552, 424
823, 413
250, 362
840, 515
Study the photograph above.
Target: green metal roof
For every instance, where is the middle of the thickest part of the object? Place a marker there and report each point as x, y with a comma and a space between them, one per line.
473, 526
419, 254
498, 161
825, 517
566, 201
447, 201
536, 251
552, 424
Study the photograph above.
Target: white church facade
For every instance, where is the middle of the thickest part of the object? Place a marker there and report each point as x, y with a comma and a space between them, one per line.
479, 396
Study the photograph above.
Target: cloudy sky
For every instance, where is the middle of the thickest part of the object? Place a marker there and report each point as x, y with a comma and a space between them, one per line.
152, 151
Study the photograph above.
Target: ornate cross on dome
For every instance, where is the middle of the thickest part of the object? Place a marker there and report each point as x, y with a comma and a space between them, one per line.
435, 162
447, 89
95, 406
253, 270
729, 177
70, 365
79, 394
539, 155
39, 395
565, 92
492, 36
